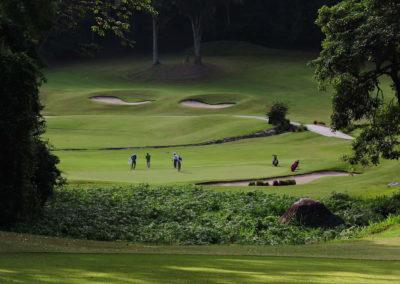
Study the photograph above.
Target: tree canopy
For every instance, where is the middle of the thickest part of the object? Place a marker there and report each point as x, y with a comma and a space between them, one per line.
362, 48
29, 171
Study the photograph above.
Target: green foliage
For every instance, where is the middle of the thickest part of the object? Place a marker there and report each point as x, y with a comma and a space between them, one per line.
283, 182
191, 215
361, 48
277, 116
29, 172
301, 128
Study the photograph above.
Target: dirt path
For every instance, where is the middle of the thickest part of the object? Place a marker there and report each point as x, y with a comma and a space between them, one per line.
204, 105
319, 129
300, 179
117, 101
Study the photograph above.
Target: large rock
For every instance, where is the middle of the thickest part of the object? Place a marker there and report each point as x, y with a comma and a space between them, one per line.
312, 213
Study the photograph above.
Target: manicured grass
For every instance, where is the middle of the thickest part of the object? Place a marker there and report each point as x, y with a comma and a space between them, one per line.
245, 159
118, 131
251, 81
35, 259
94, 268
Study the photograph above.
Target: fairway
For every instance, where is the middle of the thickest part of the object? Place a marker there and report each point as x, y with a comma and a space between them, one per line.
370, 260
75, 122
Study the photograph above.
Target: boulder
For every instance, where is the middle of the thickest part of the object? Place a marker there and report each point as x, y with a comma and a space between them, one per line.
312, 213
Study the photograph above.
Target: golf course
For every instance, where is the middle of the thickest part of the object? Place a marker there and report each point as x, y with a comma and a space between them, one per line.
96, 119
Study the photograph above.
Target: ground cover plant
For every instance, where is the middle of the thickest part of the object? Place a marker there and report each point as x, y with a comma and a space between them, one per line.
191, 215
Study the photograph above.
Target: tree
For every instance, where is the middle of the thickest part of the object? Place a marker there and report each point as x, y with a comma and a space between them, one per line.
197, 11
277, 116
362, 47
161, 17
29, 171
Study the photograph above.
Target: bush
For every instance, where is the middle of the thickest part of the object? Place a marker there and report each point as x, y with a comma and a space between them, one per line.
277, 116
284, 182
259, 183
190, 215
301, 128
252, 183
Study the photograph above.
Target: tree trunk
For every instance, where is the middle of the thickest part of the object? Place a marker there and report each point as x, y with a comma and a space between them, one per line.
228, 15
156, 60
197, 33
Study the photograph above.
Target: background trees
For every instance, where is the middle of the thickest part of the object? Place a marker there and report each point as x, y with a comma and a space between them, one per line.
362, 46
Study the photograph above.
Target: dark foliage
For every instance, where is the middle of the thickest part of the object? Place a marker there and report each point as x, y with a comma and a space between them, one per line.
362, 47
277, 116
29, 170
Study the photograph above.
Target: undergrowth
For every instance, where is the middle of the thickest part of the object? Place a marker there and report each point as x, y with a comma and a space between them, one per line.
189, 215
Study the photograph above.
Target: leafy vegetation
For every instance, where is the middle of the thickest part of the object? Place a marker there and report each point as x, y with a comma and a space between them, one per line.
277, 116
360, 51
191, 215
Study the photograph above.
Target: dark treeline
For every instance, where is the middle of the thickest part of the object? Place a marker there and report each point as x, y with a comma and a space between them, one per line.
285, 24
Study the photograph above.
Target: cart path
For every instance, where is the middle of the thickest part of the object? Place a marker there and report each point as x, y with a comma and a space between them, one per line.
319, 129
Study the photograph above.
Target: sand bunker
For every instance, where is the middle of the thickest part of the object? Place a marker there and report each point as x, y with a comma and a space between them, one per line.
204, 105
117, 101
300, 179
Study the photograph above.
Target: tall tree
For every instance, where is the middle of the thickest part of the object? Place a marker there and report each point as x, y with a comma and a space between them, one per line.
29, 170
197, 11
362, 46
160, 17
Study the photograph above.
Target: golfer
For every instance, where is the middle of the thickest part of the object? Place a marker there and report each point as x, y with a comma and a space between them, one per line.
175, 160
148, 160
133, 162
179, 163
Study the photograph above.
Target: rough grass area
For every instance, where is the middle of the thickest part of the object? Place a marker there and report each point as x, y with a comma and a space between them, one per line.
191, 215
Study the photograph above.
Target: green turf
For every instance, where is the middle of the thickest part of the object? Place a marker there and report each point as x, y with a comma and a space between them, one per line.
34, 259
250, 76
118, 131
245, 159
250, 81
66, 268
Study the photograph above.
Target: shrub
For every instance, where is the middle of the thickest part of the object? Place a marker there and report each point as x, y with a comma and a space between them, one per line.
301, 128
277, 116
252, 183
190, 215
260, 183
284, 182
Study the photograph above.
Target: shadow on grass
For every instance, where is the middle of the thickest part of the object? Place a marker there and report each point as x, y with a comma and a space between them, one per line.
140, 268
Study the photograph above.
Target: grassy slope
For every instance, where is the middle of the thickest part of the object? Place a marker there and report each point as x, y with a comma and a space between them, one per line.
250, 81
249, 75
108, 131
36, 259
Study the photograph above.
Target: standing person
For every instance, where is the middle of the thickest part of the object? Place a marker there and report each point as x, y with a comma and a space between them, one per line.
148, 160
175, 160
179, 163
133, 162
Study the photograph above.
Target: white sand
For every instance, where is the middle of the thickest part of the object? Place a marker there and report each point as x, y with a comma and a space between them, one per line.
300, 179
203, 105
117, 101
